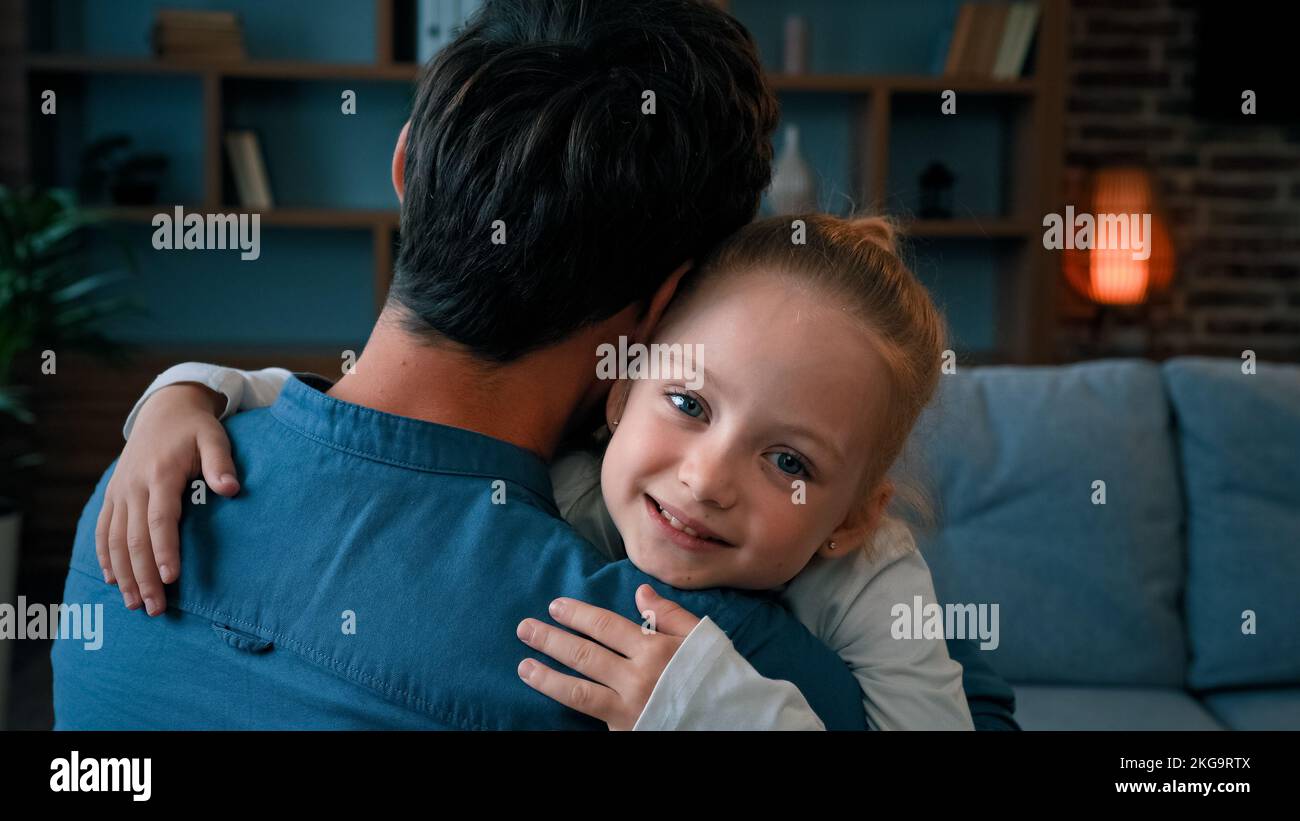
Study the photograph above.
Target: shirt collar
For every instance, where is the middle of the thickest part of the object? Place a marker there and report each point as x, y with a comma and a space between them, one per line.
415, 444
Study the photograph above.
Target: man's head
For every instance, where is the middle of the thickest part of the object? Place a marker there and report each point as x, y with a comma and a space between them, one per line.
565, 156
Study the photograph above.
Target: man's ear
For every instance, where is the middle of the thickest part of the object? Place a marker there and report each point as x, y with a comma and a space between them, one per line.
659, 302
859, 525
399, 162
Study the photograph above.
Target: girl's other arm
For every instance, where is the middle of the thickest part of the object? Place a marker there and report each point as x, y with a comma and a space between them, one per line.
242, 390
173, 435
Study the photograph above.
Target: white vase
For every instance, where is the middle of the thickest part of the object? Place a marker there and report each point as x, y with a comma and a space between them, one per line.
794, 190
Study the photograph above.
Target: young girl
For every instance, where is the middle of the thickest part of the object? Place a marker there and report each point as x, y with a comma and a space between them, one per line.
768, 471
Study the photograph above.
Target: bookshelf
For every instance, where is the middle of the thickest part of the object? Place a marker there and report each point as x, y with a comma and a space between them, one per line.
883, 109
876, 104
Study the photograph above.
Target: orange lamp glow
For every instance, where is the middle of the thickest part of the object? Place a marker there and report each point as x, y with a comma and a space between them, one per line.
1128, 255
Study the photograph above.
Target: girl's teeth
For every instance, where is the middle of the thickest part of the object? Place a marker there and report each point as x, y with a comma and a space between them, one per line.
672, 520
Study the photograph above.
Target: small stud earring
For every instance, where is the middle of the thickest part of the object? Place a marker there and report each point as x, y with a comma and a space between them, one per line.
832, 545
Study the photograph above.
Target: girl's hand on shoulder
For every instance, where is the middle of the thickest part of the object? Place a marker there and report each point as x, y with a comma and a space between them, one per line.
177, 436
624, 662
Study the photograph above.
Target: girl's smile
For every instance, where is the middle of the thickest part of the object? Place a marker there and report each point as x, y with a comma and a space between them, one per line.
673, 524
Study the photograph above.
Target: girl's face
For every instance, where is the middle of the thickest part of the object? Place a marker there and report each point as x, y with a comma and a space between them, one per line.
791, 390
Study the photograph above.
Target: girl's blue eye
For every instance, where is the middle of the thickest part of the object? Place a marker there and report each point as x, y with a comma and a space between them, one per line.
686, 404
789, 463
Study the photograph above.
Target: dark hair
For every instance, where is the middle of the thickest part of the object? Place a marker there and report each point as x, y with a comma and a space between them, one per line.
533, 116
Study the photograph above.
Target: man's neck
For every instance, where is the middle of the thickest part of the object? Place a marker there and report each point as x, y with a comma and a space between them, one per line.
529, 402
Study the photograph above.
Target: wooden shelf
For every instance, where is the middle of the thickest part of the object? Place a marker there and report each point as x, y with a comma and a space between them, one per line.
283, 217
245, 69
397, 72
900, 84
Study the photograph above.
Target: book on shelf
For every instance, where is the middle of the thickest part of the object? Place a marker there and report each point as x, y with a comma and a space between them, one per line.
198, 35
960, 37
1021, 25
992, 39
249, 170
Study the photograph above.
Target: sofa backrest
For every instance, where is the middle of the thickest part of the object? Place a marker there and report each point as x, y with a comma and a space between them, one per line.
1018, 459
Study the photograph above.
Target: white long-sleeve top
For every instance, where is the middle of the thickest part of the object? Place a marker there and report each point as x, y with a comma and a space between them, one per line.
906, 683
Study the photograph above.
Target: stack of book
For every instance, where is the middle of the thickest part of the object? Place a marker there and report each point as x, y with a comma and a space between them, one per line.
198, 35
992, 40
249, 170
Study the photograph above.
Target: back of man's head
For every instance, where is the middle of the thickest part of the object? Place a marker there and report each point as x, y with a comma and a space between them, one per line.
612, 139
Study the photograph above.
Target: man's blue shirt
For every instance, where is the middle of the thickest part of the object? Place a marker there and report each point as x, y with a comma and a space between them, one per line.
370, 574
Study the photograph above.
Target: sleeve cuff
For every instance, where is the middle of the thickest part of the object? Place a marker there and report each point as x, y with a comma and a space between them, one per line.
688, 667
226, 381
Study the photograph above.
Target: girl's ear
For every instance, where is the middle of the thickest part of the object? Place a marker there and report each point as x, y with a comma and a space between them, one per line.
616, 402
860, 525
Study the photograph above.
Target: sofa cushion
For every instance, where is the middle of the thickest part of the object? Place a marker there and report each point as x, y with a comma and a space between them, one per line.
1086, 593
1239, 436
1046, 707
1272, 708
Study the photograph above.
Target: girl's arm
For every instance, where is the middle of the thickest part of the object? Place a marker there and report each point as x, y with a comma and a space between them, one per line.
242, 390
907, 683
173, 435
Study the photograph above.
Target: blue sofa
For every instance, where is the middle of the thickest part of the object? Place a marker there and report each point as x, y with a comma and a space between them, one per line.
1175, 604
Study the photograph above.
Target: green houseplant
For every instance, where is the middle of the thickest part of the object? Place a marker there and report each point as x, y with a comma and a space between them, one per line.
50, 300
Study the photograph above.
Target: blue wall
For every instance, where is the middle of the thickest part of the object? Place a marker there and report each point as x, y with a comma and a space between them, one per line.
308, 287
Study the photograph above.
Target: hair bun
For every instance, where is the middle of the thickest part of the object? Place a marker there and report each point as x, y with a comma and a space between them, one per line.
883, 231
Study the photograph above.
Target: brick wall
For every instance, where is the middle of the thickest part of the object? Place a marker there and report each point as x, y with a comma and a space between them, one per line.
1232, 191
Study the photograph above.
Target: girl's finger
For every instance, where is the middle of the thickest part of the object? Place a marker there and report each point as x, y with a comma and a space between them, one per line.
216, 463
121, 558
584, 655
605, 626
101, 539
578, 694
670, 618
140, 549
164, 525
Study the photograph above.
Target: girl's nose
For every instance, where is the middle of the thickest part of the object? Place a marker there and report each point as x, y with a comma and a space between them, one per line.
709, 478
